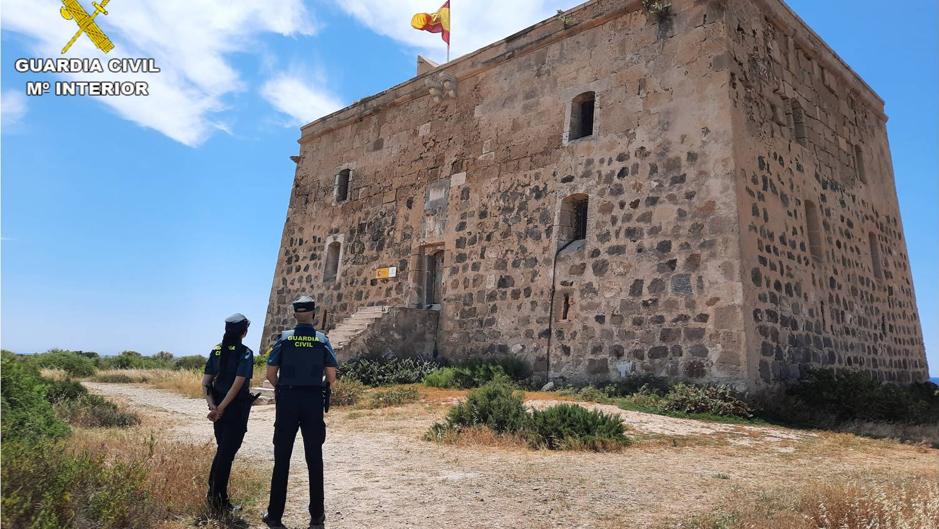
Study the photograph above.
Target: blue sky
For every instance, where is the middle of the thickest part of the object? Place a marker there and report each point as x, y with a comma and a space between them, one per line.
141, 223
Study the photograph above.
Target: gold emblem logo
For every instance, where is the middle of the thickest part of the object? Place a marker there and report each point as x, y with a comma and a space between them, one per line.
72, 10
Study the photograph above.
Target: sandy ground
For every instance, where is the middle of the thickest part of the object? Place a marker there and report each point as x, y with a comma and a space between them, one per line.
380, 473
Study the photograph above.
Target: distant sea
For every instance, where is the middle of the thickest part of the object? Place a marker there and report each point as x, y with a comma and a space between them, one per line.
934, 380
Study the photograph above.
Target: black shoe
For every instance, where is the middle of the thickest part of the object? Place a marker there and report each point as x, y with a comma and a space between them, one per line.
273, 523
319, 522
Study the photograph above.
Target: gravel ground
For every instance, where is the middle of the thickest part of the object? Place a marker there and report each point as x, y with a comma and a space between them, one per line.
379, 473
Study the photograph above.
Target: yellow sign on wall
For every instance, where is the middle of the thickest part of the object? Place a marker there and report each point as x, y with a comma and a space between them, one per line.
387, 272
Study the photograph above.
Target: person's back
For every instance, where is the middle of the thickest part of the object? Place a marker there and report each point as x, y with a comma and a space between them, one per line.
297, 365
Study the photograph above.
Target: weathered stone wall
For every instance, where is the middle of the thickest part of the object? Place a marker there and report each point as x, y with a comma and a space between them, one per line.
852, 304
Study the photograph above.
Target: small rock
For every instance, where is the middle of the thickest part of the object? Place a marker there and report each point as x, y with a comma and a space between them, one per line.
548, 387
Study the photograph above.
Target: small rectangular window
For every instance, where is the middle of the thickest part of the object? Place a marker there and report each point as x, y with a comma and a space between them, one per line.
566, 307
798, 123
813, 231
876, 263
332, 261
342, 185
582, 109
859, 163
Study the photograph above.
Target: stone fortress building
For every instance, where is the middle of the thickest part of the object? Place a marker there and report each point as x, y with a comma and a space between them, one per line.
704, 193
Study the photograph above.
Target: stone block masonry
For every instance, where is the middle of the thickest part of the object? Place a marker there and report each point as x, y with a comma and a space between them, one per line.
608, 192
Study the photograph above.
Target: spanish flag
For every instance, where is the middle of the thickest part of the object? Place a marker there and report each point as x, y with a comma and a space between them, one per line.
438, 22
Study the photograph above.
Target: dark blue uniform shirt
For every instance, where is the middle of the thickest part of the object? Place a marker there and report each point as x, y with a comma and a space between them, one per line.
245, 363
274, 358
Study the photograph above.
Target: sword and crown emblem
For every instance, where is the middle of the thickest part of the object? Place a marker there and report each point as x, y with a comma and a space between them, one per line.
72, 10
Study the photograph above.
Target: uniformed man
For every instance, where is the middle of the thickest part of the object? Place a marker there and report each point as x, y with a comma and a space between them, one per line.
225, 386
298, 362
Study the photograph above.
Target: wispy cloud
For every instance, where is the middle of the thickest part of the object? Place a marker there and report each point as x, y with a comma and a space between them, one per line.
12, 107
192, 41
474, 23
302, 97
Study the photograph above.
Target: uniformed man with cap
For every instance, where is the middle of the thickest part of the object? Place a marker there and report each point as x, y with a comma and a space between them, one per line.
296, 367
225, 386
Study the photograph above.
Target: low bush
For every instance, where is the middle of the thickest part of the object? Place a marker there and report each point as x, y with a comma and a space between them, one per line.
387, 372
64, 390
135, 360
74, 364
828, 396
117, 377
347, 392
385, 398
94, 411
499, 408
495, 405
709, 400
569, 426
191, 362
27, 415
484, 369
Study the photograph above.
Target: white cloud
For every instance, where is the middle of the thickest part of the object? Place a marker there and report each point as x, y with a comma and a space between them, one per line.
190, 40
302, 97
474, 23
12, 107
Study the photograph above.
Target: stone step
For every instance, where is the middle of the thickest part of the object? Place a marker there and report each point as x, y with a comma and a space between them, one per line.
262, 390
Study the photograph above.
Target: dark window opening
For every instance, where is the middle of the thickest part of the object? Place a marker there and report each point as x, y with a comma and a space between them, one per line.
332, 261
875, 257
342, 185
582, 108
814, 231
573, 220
566, 307
324, 320
859, 164
798, 123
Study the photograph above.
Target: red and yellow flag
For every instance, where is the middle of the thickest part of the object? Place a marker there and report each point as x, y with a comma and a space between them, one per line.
438, 22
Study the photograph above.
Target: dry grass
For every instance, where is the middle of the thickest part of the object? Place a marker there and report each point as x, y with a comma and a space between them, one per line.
176, 472
182, 382
858, 504
481, 436
53, 374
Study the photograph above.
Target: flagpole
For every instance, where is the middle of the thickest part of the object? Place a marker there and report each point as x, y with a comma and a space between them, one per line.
450, 36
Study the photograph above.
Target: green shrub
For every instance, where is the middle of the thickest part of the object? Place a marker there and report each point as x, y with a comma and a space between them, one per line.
73, 363
118, 378
824, 397
347, 392
63, 390
392, 397
193, 362
485, 369
495, 405
47, 487
450, 377
636, 382
386, 372
134, 360
27, 415
569, 426
710, 400
94, 411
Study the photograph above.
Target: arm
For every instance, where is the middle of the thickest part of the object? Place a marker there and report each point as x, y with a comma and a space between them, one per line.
331, 375
272, 375
207, 390
232, 393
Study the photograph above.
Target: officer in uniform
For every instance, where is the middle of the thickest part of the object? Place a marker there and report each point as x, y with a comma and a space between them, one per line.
225, 386
296, 367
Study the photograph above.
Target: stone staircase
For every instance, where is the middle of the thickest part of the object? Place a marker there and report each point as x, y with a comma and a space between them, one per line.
347, 329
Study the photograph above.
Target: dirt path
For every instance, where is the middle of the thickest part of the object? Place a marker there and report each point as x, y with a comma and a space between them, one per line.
379, 473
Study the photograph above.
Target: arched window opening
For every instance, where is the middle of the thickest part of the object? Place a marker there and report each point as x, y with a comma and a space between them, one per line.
813, 228
859, 164
798, 123
573, 220
342, 185
582, 108
332, 261
876, 263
